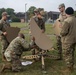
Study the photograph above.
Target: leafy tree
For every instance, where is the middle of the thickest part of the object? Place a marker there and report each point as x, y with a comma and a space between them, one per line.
10, 11
30, 11
2, 10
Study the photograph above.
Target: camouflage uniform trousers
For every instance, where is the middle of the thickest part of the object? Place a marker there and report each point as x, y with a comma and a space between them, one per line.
4, 43
16, 62
59, 46
68, 54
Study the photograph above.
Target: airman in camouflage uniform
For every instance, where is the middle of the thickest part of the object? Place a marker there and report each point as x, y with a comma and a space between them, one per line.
68, 34
14, 51
3, 33
39, 19
61, 18
62, 15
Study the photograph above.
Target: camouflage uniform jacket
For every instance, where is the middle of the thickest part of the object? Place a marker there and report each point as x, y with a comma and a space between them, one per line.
3, 26
68, 31
17, 46
62, 17
40, 22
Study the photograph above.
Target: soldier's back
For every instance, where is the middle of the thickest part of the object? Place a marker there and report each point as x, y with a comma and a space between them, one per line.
71, 25
15, 44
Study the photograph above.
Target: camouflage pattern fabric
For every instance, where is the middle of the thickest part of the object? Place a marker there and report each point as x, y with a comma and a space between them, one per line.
61, 19
68, 34
40, 22
14, 51
16, 62
4, 42
59, 47
68, 54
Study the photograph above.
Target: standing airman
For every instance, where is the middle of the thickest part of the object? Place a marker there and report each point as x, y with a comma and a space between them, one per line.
61, 19
68, 36
3, 25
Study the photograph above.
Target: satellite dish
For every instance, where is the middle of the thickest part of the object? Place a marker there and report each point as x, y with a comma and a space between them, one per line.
12, 33
41, 39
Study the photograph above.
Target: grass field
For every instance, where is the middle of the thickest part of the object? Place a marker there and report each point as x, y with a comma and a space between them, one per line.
53, 67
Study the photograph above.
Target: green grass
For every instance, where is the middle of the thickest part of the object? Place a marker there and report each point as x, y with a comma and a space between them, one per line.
53, 67
20, 25
49, 29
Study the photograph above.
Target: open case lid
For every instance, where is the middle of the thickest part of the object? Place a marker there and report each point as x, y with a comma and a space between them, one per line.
57, 28
12, 32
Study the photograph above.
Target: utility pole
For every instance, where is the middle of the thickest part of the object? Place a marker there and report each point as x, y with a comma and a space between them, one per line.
75, 5
25, 13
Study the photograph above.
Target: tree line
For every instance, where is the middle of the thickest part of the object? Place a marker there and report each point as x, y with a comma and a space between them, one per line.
29, 13
13, 15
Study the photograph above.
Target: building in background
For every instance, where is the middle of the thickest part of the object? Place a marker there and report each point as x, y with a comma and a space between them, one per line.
51, 16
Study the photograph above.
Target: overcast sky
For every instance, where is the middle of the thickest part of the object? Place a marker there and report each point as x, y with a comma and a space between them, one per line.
48, 5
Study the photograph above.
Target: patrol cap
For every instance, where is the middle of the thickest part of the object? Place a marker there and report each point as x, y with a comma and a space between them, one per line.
5, 14
61, 5
69, 11
42, 12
